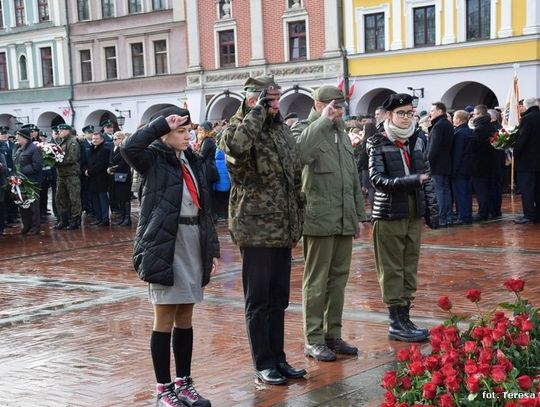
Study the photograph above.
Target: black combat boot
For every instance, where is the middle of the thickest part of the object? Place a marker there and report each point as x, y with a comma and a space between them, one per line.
75, 223
405, 317
399, 331
127, 214
63, 222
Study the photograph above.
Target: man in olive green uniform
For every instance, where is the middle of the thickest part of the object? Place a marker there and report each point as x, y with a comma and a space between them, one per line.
335, 205
265, 219
68, 193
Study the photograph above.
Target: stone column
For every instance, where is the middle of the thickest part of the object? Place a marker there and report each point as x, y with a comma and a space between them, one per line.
506, 19
449, 34
59, 59
396, 15
192, 20
14, 66
532, 22
30, 65
331, 29
257, 33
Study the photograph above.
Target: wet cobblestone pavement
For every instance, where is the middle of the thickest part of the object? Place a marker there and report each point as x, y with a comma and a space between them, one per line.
75, 320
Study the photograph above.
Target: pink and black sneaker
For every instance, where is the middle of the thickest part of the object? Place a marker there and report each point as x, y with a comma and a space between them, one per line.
166, 396
187, 393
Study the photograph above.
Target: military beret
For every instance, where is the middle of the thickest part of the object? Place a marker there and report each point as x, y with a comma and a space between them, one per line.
64, 126
4, 129
396, 100
88, 129
107, 123
54, 128
170, 110
24, 133
327, 93
259, 83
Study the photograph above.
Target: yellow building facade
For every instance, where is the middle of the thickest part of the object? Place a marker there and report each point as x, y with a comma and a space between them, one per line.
461, 52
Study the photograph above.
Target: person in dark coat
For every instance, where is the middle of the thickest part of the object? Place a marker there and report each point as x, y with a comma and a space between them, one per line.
3, 192
462, 167
176, 245
439, 155
120, 171
98, 179
206, 147
86, 149
29, 162
527, 158
7, 147
483, 156
404, 194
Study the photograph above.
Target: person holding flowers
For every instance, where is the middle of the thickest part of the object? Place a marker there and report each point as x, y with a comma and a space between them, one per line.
29, 162
404, 193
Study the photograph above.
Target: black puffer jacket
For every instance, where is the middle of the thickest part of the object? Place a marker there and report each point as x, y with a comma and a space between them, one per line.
483, 151
160, 204
392, 185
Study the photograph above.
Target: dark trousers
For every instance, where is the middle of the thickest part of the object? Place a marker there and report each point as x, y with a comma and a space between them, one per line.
462, 188
444, 198
529, 186
266, 275
100, 205
3, 209
496, 195
30, 217
482, 188
48, 181
222, 204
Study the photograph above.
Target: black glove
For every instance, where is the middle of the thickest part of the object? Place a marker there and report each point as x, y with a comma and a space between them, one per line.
263, 100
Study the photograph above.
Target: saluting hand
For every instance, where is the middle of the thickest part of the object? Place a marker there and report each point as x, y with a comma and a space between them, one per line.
330, 111
174, 121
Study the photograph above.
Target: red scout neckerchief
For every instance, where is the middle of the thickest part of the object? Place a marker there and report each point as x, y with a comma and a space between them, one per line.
190, 185
403, 148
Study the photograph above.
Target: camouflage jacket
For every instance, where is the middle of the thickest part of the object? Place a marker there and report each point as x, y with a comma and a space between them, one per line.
72, 153
330, 179
266, 204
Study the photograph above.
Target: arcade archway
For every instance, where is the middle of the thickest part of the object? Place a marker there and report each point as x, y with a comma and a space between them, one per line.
469, 93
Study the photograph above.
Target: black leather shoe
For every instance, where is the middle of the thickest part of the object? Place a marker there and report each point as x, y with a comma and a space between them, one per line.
523, 221
104, 223
290, 372
340, 346
270, 376
320, 352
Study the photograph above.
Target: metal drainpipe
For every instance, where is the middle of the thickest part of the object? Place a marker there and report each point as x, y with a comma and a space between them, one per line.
70, 60
344, 60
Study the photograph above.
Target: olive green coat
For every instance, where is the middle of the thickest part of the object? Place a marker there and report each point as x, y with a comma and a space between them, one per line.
330, 180
266, 204
72, 153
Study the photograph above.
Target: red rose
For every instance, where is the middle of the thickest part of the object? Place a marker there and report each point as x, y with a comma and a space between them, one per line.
514, 284
437, 378
453, 383
403, 355
473, 295
499, 316
429, 390
416, 368
477, 332
448, 370
470, 347
445, 303
470, 367
498, 373
403, 404
446, 400
528, 402
524, 382
389, 380
390, 398
431, 363
473, 384
511, 404
521, 339
405, 382
526, 325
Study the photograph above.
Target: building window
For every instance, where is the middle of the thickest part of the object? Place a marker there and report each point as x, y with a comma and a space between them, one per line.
3, 72
19, 13
227, 50
160, 57
86, 65
424, 26
110, 63
47, 66
297, 40
478, 19
137, 59
134, 6
374, 32
23, 73
294, 3
83, 10
107, 8
159, 5
43, 9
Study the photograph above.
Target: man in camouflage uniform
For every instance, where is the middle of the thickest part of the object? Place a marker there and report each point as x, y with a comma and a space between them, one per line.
68, 193
335, 205
265, 219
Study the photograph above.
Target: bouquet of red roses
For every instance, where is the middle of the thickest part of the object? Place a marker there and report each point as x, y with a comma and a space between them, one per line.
52, 153
495, 361
23, 190
504, 139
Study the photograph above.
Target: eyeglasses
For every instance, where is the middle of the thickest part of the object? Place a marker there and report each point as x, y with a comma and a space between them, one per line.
402, 114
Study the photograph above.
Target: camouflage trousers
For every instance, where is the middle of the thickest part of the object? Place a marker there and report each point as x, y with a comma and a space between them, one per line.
68, 195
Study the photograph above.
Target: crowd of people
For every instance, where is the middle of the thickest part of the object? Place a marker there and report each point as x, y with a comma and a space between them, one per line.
278, 181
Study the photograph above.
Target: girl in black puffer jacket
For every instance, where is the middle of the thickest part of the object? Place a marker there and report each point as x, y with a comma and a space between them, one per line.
404, 193
176, 245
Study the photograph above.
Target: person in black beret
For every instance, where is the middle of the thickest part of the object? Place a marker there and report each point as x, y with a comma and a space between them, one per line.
404, 194
176, 246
